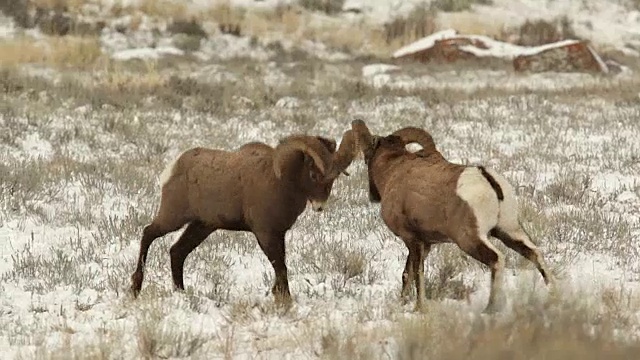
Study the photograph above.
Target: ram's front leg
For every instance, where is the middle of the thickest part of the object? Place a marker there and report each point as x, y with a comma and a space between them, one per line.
272, 244
408, 275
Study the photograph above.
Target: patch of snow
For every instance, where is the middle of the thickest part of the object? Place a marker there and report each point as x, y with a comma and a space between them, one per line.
475, 80
36, 147
7, 27
214, 73
610, 182
288, 102
146, 53
379, 80
374, 69
321, 51
275, 77
226, 46
627, 196
424, 43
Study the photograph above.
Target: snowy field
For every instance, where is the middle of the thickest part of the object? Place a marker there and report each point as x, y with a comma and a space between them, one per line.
81, 150
79, 181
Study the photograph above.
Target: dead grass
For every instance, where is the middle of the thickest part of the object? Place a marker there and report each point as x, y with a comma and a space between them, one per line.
329, 7
164, 9
151, 85
131, 145
471, 23
73, 6
458, 5
447, 280
540, 32
572, 329
299, 24
58, 52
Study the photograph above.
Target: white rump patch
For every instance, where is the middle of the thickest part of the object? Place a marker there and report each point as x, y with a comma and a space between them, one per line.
508, 220
413, 147
476, 191
168, 171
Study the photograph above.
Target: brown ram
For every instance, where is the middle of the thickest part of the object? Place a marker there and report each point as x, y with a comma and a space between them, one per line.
425, 200
256, 188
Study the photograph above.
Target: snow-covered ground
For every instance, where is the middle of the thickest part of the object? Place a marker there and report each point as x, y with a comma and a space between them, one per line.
78, 182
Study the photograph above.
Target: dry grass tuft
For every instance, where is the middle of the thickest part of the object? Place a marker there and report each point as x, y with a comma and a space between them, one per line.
572, 330
58, 52
458, 5
540, 32
74, 52
164, 9
447, 282
471, 23
19, 51
326, 6
73, 6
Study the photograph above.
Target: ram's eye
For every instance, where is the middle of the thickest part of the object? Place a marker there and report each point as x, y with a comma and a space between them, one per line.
314, 176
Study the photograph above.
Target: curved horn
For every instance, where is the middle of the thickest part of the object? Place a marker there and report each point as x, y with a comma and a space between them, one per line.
289, 146
344, 156
413, 134
329, 143
362, 135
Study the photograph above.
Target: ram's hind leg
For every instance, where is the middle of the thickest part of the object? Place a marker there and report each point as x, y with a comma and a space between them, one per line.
520, 241
482, 250
193, 235
172, 215
158, 228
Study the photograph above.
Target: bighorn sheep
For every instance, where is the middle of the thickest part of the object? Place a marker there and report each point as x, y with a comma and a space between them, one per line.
256, 188
425, 200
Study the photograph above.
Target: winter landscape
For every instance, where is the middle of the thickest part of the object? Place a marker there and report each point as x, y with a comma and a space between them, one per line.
98, 96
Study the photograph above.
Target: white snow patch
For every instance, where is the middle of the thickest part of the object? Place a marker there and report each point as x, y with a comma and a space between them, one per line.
610, 182
146, 53
226, 46
375, 69
7, 28
425, 43
36, 147
288, 102
627, 196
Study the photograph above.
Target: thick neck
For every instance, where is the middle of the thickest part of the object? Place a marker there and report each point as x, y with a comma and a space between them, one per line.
431, 155
381, 167
383, 164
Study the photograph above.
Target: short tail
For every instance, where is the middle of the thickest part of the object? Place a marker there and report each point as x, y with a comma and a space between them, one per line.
494, 184
169, 171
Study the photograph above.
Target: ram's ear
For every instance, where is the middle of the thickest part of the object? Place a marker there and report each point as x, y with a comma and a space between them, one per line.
287, 154
330, 144
392, 140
